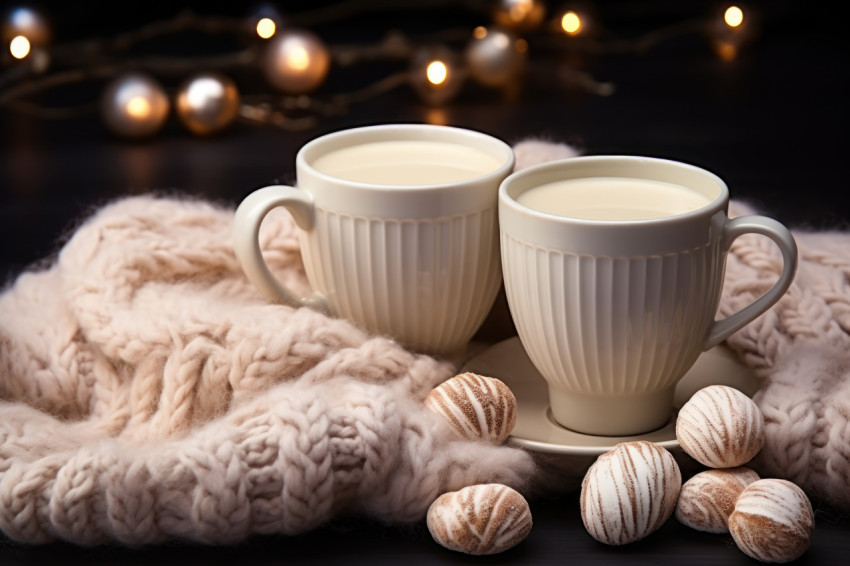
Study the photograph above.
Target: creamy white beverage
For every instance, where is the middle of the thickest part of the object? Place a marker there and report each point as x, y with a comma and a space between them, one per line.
612, 198
406, 163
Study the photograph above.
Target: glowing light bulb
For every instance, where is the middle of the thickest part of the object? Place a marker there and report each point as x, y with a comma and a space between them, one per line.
19, 47
733, 16
437, 72
480, 32
571, 23
138, 107
266, 28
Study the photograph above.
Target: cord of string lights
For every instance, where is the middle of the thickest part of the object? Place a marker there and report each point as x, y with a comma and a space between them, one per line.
294, 62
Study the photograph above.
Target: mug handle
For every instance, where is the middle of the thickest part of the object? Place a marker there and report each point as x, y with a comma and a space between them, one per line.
735, 227
246, 240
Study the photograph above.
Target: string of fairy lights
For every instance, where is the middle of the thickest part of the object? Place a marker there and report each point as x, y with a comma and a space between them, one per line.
295, 63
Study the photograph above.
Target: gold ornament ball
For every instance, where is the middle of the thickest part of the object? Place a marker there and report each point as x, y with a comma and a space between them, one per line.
297, 61
519, 15
495, 57
207, 103
134, 105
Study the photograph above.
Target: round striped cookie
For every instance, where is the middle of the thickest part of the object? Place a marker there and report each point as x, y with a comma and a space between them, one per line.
476, 406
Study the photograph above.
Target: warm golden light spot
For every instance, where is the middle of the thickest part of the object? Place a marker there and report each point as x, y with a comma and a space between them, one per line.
733, 16
480, 32
138, 107
727, 51
19, 47
437, 117
571, 23
437, 72
298, 58
266, 28
521, 45
520, 10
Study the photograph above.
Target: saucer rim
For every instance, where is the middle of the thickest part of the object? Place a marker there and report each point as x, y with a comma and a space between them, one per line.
561, 449
570, 450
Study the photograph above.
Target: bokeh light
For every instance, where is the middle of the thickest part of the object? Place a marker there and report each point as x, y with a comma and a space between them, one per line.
266, 28
19, 47
733, 16
571, 23
437, 72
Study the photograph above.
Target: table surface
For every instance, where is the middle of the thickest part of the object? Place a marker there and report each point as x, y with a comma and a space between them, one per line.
771, 123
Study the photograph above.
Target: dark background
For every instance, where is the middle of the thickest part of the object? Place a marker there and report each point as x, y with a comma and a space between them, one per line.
771, 123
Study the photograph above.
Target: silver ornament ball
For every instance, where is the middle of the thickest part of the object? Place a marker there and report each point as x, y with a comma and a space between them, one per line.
28, 23
134, 105
495, 57
207, 103
297, 61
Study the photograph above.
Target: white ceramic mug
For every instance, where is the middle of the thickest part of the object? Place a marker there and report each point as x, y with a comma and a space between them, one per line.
613, 311
398, 230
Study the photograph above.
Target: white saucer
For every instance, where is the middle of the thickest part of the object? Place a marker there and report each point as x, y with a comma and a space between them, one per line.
536, 431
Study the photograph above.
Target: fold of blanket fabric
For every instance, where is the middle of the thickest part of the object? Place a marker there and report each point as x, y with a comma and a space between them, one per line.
150, 392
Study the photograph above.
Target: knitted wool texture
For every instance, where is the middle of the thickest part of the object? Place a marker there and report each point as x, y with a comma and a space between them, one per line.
800, 350
149, 392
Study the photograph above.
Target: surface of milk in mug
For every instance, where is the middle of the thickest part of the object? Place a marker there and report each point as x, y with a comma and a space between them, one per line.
407, 162
612, 198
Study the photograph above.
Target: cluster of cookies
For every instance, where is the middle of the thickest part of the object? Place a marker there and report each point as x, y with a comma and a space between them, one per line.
770, 519
633, 489
630, 491
487, 518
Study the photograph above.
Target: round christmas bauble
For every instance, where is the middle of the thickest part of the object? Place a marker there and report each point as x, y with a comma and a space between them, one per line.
26, 22
297, 61
207, 103
134, 105
495, 57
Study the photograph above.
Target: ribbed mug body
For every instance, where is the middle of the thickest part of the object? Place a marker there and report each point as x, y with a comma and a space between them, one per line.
613, 332
398, 231
428, 282
613, 312
418, 263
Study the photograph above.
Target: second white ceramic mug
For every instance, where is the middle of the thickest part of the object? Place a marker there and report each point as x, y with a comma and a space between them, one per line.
412, 254
614, 312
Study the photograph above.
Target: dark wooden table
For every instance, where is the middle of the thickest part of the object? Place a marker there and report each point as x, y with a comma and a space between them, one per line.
772, 123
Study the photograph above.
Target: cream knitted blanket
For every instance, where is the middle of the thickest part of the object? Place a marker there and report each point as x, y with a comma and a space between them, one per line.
801, 351
149, 392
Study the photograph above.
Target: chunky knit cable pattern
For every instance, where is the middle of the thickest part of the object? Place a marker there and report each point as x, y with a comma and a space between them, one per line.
149, 393
801, 350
